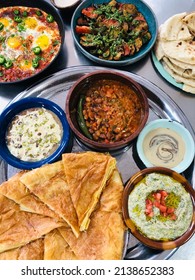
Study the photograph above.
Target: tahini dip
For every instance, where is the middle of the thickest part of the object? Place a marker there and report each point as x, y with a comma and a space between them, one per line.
34, 134
164, 147
151, 217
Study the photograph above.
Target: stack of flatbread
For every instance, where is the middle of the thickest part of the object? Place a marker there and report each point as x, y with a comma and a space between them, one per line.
175, 49
70, 209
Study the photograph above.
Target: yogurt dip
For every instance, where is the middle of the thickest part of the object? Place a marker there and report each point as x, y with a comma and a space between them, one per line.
161, 225
34, 134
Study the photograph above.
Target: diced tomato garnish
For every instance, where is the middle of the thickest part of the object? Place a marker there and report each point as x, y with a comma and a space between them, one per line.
151, 214
158, 196
163, 193
83, 29
162, 208
170, 210
173, 217
89, 12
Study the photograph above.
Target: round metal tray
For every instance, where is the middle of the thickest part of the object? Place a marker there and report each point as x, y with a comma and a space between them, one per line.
55, 87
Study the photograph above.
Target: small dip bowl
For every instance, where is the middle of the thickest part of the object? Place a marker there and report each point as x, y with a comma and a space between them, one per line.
99, 94
159, 208
35, 133
166, 143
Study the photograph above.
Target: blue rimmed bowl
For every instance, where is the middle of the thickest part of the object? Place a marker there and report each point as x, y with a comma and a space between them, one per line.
19, 106
142, 8
177, 128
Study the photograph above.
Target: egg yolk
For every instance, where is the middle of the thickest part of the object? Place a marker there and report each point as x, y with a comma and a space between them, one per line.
5, 21
25, 65
14, 42
43, 41
31, 22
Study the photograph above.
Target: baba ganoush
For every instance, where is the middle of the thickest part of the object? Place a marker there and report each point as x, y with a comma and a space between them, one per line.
164, 147
160, 207
34, 134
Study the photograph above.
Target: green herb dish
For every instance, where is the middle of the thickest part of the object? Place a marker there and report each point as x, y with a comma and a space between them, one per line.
114, 33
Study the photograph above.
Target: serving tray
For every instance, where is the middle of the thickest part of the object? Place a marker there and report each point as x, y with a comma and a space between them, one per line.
55, 88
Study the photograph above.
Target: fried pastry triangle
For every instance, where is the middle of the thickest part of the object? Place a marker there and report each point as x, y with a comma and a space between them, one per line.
18, 228
49, 184
104, 238
56, 248
87, 174
31, 251
17, 191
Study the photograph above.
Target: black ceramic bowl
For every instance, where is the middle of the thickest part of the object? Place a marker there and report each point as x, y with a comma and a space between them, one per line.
81, 87
47, 8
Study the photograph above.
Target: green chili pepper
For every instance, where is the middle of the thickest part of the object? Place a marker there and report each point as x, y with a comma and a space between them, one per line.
25, 14
39, 13
37, 50
17, 19
8, 63
1, 74
81, 120
16, 12
1, 26
35, 62
50, 18
2, 59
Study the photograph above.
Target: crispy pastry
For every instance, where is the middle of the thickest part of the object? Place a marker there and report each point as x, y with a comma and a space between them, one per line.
87, 174
16, 191
56, 248
52, 189
104, 238
31, 251
18, 228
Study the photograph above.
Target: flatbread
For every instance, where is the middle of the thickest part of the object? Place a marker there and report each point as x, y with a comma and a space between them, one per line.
104, 238
17, 228
175, 49
31, 251
16, 191
189, 20
87, 174
53, 190
186, 73
174, 28
56, 248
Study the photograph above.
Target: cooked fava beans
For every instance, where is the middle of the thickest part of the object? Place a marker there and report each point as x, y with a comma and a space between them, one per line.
111, 110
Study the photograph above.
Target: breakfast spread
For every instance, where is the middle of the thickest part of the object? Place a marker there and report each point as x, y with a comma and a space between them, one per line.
72, 209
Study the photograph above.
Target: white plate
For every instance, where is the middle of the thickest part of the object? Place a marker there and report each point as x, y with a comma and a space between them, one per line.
62, 4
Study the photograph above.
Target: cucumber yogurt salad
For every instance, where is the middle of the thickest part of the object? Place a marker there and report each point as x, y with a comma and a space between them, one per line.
34, 134
160, 207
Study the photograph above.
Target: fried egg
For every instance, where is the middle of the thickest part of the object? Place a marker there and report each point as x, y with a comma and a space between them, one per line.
19, 37
42, 40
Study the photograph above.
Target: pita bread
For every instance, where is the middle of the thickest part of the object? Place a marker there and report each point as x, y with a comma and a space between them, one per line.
189, 20
87, 174
16, 191
175, 49
30, 251
175, 29
17, 228
178, 78
56, 248
53, 191
186, 73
